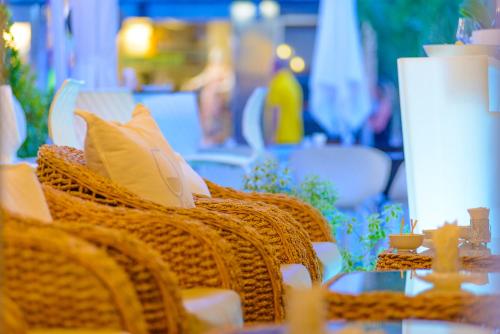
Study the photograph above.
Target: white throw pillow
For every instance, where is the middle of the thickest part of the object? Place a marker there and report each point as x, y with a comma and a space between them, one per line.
196, 182
21, 192
131, 155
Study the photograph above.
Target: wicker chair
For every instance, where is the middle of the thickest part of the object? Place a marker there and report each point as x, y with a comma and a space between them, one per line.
65, 168
312, 220
226, 256
60, 281
153, 281
386, 306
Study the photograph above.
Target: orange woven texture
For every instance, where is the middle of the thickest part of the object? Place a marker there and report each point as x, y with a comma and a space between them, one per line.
380, 306
261, 284
287, 241
310, 218
11, 318
281, 232
390, 261
153, 282
198, 256
59, 281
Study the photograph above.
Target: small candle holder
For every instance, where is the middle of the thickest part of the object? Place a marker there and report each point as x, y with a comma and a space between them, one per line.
406, 243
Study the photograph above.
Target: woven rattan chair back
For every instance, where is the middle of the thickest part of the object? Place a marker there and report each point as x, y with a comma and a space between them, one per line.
60, 281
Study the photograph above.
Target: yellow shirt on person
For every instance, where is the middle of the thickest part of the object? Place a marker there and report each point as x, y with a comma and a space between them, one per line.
284, 96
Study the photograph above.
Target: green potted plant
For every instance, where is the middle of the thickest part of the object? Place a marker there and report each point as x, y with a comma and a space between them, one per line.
19, 76
368, 233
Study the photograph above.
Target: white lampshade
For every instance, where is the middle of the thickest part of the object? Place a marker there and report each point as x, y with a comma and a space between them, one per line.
451, 128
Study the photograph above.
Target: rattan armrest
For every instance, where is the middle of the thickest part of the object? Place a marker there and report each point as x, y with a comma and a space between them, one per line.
276, 226
154, 283
60, 281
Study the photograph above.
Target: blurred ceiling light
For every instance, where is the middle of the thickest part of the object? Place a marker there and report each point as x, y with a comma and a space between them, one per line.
297, 64
269, 9
243, 11
284, 51
19, 37
137, 35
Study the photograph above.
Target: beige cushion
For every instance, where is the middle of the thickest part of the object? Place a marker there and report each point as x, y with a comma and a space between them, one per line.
218, 307
131, 155
21, 193
296, 276
329, 257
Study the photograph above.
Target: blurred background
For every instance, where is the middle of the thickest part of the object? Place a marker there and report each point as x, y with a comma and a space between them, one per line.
231, 83
224, 49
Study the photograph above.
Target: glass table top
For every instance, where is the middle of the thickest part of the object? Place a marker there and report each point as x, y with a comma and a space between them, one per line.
407, 282
466, 249
393, 327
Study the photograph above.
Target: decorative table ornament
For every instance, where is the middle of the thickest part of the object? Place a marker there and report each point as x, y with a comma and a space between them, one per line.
307, 311
446, 263
480, 225
406, 243
445, 240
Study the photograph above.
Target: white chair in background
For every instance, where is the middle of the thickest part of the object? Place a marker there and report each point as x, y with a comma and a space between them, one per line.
61, 118
398, 191
178, 118
66, 129
111, 105
358, 173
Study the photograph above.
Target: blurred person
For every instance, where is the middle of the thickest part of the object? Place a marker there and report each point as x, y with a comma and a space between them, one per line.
380, 118
129, 79
215, 84
283, 122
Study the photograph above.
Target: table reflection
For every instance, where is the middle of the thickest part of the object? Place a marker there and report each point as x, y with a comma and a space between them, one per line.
387, 327
407, 282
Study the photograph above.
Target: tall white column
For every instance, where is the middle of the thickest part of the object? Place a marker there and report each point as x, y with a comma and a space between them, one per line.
95, 26
451, 129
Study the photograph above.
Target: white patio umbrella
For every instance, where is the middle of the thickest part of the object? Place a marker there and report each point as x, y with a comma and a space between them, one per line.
340, 100
95, 26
